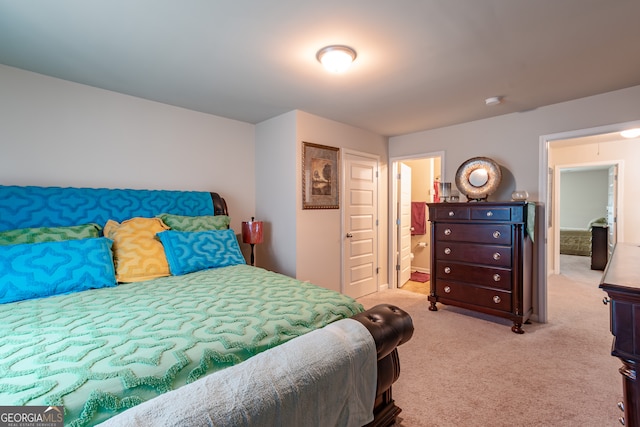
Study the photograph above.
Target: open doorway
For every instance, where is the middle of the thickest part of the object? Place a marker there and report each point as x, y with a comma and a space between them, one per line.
411, 183
587, 147
586, 213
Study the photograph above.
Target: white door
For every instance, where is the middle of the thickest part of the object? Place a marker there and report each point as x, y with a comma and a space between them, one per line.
612, 201
404, 225
360, 228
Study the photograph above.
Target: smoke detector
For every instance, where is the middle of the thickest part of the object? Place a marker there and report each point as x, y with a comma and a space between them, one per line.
493, 100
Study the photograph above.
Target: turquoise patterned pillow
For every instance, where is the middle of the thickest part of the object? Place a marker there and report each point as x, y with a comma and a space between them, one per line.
193, 251
42, 269
196, 223
49, 234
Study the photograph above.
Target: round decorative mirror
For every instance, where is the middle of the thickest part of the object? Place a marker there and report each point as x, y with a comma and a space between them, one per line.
478, 177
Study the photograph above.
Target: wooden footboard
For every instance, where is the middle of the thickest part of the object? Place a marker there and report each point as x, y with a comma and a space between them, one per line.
390, 327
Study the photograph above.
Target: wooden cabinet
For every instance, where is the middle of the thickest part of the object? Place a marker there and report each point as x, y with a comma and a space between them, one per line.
621, 281
481, 258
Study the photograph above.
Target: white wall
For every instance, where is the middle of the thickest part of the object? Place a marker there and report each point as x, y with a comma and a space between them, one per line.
318, 231
58, 133
583, 197
513, 140
625, 151
276, 192
53, 132
306, 243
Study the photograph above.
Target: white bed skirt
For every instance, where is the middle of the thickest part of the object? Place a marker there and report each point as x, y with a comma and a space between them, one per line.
324, 378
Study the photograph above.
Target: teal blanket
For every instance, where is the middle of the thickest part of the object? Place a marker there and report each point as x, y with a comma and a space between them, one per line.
102, 351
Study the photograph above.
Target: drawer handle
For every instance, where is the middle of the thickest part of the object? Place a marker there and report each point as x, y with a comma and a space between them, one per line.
447, 270
447, 251
497, 299
496, 277
447, 231
447, 289
496, 234
496, 256
489, 213
452, 213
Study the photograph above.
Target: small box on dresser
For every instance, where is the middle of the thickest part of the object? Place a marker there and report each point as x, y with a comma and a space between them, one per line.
481, 258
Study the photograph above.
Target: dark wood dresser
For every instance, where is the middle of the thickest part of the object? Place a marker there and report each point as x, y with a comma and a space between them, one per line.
621, 282
481, 258
599, 247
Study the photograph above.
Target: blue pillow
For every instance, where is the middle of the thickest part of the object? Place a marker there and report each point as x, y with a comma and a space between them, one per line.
194, 251
39, 270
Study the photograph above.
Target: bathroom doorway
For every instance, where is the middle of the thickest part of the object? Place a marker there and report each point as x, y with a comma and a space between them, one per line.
410, 254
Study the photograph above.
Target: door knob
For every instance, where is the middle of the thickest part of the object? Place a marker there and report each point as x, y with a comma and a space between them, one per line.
349, 235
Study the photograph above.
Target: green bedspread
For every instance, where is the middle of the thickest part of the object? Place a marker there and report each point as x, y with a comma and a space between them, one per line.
102, 351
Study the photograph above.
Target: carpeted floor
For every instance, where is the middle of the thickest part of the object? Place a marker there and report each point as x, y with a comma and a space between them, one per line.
462, 368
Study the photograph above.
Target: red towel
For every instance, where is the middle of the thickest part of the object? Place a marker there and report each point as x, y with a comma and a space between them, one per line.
418, 220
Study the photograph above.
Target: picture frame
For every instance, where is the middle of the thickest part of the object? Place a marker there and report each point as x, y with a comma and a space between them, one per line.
320, 176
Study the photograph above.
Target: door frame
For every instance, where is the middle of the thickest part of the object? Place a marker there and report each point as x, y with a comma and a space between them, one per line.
392, 244
343, 186
543, 191
556, 202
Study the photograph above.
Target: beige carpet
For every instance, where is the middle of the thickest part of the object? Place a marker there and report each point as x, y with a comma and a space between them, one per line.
467, 369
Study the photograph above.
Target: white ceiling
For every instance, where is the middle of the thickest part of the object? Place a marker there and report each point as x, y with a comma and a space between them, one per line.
421, 64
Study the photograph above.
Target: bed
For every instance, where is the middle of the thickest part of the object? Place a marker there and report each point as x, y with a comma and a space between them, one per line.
124, 305
577, 241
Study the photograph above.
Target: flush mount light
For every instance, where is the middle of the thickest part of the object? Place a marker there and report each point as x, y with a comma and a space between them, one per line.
631, 133
494, 100
336, 58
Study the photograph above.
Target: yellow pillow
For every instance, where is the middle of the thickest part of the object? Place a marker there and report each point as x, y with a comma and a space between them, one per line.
137, 254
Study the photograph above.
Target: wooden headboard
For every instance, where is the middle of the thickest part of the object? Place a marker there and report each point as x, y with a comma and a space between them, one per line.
219, 204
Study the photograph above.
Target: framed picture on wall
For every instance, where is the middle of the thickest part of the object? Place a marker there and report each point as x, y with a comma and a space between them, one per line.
320, 183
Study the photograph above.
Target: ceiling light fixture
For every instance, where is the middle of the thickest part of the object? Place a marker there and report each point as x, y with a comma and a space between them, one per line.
630, 133
336, 58
494, 100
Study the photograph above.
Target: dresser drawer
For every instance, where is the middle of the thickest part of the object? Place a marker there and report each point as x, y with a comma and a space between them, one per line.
497, 234
474, 274
449, 213
490, 298
491, 213
476, 253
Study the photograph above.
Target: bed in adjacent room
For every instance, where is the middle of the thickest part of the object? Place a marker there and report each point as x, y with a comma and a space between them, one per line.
116, 303
577, 241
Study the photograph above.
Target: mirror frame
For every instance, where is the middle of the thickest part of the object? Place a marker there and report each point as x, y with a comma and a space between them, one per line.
472, 192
